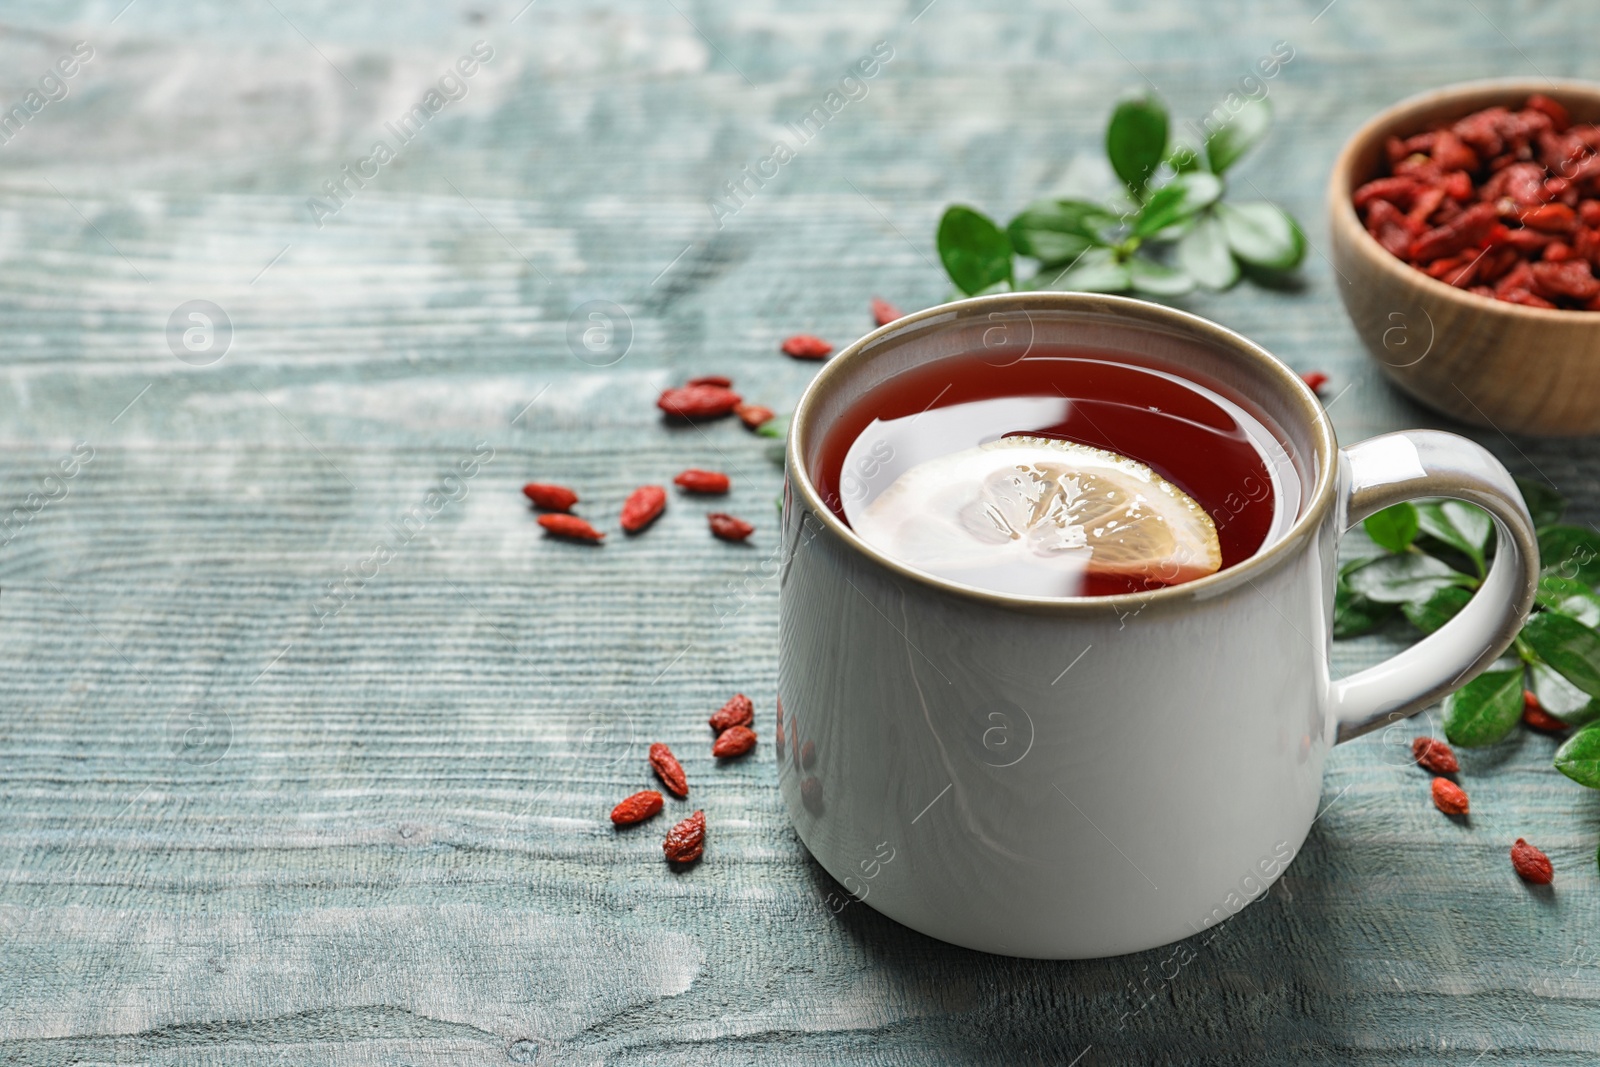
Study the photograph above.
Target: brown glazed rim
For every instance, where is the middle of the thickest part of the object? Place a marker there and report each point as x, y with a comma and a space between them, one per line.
1402, 119
834, 374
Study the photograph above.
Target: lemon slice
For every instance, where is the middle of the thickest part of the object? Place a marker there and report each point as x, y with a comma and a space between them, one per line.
1038, 516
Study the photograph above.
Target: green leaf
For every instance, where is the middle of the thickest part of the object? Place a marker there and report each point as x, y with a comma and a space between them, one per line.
1183, 159
1561, 698
1428, 615
1394, 527
1154, 278
1175, 201
1544, 503
1354, 614
1136, 140
1570, 552
1485, 709
1569, 597
1405, 577
1263, 234
1461, 526
1096, 271
1203, 253
1579, 757
777, 426
975, 253
1568, 646
1058, 231
1239, 134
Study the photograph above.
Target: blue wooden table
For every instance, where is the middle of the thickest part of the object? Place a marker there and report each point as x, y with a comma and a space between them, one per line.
307, 736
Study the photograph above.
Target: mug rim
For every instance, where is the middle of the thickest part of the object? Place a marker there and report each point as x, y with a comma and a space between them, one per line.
1319, 497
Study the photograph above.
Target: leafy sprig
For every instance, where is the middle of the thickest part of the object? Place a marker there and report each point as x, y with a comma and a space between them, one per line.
1168, 231
1435, 556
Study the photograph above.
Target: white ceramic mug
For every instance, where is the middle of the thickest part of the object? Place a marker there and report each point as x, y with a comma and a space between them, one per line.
1078, 777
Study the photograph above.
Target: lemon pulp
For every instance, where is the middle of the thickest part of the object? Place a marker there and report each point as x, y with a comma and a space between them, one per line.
1040, 516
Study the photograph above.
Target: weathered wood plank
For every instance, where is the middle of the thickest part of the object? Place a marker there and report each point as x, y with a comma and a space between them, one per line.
238, 827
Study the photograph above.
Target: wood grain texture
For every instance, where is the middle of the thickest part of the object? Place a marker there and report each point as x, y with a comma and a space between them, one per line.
236, 828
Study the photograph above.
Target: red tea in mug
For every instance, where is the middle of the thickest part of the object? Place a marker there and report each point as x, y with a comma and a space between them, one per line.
1066, 472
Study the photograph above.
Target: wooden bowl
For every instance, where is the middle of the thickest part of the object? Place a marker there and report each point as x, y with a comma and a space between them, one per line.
1512, 368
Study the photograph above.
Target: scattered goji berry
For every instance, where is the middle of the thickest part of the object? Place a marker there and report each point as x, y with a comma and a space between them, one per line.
738, 711
883, 312
669, 770
550, 497
734, 741
571, 527
721, 380
642, 507
806, 346
729, 528
1530, 864
695, 480
1434, 755
637, 808
686, 842
753, 415
1315, 379
1449, 797
1536, 718
699, 401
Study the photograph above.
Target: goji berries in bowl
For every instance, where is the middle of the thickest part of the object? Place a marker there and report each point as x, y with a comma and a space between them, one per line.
1472, 285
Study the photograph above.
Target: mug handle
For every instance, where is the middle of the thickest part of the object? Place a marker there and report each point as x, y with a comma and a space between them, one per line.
1420, 463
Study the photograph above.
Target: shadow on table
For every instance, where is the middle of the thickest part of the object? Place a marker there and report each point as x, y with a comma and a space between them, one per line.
1254, 989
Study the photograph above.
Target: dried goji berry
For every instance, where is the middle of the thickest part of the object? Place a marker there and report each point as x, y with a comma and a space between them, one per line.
699, 401
1452, 153
883, 312
686, 842
738, 711
1550, 218
753, 415
1315, 379
1434, 755
1390, 228
806, 346
669, 770
1530, 864
721, 380
734, 741
1465, 231
550, 497
1571, 278
642, 507
1449, 797
1536, 718
570, 526
729, 528
1589, 212
1558, 114
637, 808
695, 480
1522, 296
1396, 191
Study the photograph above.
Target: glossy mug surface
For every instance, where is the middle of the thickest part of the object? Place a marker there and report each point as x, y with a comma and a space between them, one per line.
1069, 777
